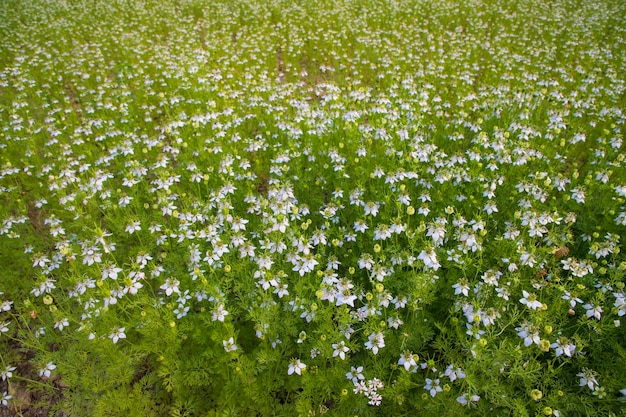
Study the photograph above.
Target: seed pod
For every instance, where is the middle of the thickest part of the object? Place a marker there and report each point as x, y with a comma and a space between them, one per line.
561, 252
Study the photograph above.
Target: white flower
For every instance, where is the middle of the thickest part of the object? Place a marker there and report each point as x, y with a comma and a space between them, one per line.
429, 257
366, 261
134, 287
124, 201
453, 374
462, 287
340, 350
281, 290
588, 378
371, 208
117, 334
529, 335
375, 399
563, 347
527, 259
355, 374
296, 366
490, 207
133, 227
229, 345
463, 400
620, 303
6, 305
4, 326
593, 311
4, 398
345, 297
45, 372
111, 272
407, 359
572, 299
375, 342
61, 324
360, 226
91, 255
578, 194
432, 386
171, 286
219, 313
7, 373
530, 301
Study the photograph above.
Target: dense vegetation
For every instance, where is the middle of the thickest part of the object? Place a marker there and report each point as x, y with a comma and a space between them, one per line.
364, 207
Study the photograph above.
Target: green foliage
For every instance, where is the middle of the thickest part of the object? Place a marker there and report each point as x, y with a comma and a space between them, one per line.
289, 208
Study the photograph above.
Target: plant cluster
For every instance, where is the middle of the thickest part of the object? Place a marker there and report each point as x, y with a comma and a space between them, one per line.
303, 208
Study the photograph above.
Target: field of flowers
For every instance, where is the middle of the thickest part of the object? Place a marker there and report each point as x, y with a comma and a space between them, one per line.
298, 208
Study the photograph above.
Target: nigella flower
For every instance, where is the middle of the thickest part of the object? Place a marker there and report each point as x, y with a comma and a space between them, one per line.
529, 334
46, 371
429, 257
588, 378
117, 334
375, 342
491, 277
462, 287
528, 259
4, 326
463, 400
394, 321
7, 373
134, 287
423, 210
355, 374
530, 301
371, 208
433, 386
133, 227
296, 366
360, 226
111, 272
170, 286
281, 290
578, 194
345, 297
408, 360
593, 311
346, 330
573, 300
340, 350
220, 313
453, 373
399, 302
61, 324
620, 303
40, 261
437, 231
6, 305
366, 261
474, 330
577, 268
382, 232
229, 345
4, 398
563, 347
91, 255
490, 207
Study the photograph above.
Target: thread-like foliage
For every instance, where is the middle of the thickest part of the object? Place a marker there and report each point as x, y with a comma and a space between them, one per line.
302, 208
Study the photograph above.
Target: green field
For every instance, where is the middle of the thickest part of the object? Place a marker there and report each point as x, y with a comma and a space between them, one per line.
298, 208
